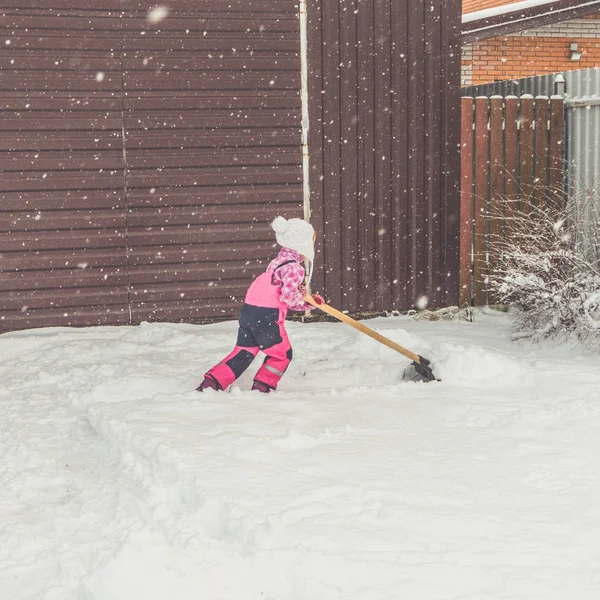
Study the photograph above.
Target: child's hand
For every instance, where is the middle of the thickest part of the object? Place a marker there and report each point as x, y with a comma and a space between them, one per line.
318, 299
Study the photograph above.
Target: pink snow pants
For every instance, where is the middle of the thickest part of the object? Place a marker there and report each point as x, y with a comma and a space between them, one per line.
260, 328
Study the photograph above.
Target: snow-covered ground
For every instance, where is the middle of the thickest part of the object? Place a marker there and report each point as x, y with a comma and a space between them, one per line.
119, 482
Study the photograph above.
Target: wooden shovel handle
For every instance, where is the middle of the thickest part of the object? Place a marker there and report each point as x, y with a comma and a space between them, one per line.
363, 329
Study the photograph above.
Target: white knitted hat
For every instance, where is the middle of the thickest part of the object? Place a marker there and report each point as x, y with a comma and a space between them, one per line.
296, 234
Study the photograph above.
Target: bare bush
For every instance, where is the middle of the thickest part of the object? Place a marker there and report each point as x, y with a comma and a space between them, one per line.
548, 269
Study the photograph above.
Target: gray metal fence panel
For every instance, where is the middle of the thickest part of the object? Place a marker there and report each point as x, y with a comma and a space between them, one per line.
583, 153
536, 86
582, 121
583, 83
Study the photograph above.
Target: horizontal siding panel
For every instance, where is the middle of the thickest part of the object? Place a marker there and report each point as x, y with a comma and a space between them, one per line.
60, 101
65, 298
60, 161
190, 217
158, 197
60, 317
60, 81
222, 177
30, 6
57, 240
63, 140
177, 6
207, 81
48, 260
55, 180
50, 62
198, 273
46, 200
195, 235
218, 157
191, 120
207, 100
37, 41
34, 22
228, 138
225, 22
62, 122
61, 221
217, 253
109, 278
200, 7
185, 311
232, 195
188, 292
215, 42
231, 64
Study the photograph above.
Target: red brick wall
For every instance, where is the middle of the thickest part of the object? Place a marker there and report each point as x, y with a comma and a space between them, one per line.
473, 5
535, 52
515, 57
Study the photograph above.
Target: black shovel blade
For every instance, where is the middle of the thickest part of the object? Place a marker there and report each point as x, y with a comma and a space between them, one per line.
419, 371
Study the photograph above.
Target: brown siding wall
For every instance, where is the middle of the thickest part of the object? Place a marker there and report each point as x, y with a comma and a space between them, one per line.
384, 146
213, 125
62, 202
141, 162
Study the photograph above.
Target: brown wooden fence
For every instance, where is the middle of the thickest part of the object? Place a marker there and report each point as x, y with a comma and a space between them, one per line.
512, 154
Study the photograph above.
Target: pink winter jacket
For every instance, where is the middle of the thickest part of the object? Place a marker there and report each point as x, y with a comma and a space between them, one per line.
290, 277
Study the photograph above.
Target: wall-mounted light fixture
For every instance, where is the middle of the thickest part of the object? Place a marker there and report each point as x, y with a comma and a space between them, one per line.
575, 53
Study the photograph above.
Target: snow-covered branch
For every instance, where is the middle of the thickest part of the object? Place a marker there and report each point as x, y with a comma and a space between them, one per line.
547, 271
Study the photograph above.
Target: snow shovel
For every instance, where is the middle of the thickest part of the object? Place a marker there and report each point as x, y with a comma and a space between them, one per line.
418, 370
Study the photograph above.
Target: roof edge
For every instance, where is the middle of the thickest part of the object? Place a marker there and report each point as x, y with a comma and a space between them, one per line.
522, 16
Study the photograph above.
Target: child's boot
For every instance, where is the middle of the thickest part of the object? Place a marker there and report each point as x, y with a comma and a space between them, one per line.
261, 387
209, 383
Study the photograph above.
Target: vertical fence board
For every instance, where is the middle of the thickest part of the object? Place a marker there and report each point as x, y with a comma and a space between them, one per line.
541, 151
349, 149
466, 202
526, 151
367, 297
450, 127
400, 126
496, 177
511, 138
482, 172
332, 258
433, 157
417, 174
316, 138
383, 141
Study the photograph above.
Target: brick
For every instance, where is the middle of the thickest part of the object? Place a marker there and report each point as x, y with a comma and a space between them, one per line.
512, 57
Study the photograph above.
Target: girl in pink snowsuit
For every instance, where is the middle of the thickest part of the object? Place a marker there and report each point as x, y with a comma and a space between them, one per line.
262, 320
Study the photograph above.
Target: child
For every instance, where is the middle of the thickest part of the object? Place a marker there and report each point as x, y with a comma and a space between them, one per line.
262, 319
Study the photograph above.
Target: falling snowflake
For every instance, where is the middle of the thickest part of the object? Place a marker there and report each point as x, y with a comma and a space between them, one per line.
422, 302
157, 14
